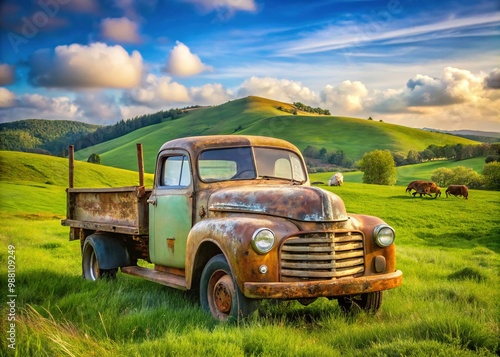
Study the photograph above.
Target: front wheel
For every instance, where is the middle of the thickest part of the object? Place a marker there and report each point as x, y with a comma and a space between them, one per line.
90, 265
369, 302
219, 293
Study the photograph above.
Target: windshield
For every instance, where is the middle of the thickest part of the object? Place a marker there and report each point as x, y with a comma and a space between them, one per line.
239, 164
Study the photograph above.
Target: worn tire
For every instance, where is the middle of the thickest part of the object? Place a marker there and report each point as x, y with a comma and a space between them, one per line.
369, 302
90, 265
219, 293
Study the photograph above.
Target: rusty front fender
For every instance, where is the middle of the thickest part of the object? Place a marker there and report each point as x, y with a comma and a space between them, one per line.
232, 236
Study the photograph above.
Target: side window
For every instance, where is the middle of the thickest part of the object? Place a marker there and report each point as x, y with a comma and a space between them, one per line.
175, 171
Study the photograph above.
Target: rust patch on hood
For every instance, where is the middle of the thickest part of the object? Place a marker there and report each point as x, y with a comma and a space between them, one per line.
302, 203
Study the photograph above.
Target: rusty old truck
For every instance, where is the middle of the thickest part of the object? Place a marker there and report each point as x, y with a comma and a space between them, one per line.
234, 219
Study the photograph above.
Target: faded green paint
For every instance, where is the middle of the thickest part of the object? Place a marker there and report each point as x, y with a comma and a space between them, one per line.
171, 223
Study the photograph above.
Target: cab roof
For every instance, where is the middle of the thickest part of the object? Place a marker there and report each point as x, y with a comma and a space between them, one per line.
195, 144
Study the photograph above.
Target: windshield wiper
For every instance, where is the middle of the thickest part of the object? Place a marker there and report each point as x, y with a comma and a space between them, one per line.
268, 177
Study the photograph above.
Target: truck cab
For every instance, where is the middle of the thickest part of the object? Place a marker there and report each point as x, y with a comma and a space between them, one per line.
235, 218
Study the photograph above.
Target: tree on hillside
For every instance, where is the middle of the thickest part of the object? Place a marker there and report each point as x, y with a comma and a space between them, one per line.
399, 158
412, 157
94, 158
378, 167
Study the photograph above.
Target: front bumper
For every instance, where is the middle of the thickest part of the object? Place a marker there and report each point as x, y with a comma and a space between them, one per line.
323, 288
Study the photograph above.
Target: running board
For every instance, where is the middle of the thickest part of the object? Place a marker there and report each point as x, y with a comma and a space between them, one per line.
160, 277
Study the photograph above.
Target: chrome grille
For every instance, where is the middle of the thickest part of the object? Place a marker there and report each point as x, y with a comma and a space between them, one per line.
322, 256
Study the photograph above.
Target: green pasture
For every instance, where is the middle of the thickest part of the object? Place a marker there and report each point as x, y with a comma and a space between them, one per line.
448, 305
408, 173
259, 116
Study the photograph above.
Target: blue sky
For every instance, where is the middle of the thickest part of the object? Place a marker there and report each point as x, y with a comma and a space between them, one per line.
415, 63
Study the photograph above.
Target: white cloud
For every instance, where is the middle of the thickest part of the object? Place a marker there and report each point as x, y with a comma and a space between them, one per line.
229, 5
6, 74
278, 89
37, 106
347, 35
348, 97
7, 98
120, 30
96, 65
209, 94
183, 63
157, 92
97, 108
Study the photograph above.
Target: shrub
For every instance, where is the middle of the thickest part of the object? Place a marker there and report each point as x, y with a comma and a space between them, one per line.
94, 158
459, 175
442, 176
491, 175
378, 167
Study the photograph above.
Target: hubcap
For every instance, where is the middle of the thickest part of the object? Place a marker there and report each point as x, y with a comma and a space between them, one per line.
222, 294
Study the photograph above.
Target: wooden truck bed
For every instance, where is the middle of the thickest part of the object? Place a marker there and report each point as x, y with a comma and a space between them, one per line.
120, 210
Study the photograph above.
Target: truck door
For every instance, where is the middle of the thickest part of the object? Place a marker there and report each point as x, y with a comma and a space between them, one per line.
170, 210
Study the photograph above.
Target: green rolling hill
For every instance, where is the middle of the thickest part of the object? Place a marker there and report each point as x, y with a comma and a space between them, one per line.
260, 116
21, 168
42, 135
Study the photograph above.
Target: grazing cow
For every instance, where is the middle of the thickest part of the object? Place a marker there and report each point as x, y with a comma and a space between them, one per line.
458, 190
336, 180
423, 188
414, 184
427, 189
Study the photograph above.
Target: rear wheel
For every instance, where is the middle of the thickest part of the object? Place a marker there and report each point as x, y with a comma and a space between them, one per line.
369, 302
219, 293
90, 265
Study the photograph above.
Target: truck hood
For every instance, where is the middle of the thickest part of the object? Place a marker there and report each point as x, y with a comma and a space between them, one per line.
302, 203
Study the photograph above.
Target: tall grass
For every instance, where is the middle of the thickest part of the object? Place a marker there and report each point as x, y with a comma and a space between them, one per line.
448, 305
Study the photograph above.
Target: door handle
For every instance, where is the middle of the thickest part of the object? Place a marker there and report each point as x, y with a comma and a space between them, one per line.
152, 201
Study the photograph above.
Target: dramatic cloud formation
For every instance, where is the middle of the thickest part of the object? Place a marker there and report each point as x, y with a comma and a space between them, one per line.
183, 63
156, 92
6, 74
454, 87
120, 30
96, 65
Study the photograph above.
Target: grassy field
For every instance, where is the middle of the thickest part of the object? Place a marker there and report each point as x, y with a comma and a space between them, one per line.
448, 305
259, 116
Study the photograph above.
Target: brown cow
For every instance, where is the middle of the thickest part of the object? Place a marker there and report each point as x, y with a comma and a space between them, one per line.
426, 188
413, 185
458, 190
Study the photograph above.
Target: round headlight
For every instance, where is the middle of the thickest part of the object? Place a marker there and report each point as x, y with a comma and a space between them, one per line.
383, 235
263, 240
